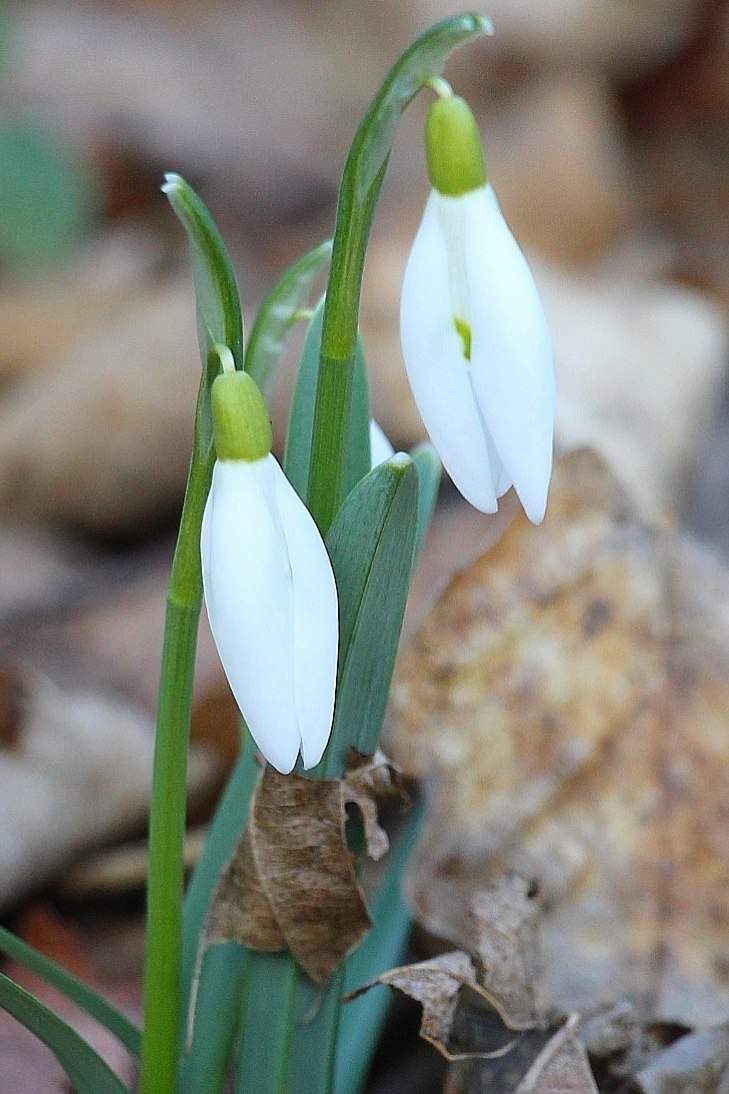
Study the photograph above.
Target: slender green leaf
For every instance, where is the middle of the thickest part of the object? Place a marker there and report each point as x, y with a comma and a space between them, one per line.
219, 325
218, 304
86, 1070
316, 1028
363, 175
279, 312
301, 419
382, 949
221, 334
429, 469
225, 831
265, 1059
83, 996
371, 548
290, 1029
223, 981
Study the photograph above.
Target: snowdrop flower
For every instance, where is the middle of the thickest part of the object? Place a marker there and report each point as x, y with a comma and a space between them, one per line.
380, 447
269, 587
474, 338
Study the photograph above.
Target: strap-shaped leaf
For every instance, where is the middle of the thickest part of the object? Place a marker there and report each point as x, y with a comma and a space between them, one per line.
288, 1043
429, 470
423, 60
301, 420
279, 312
361, 182
83, 996
217, 1003
217, 1019
362, 1018
216, 293
220, 328
371, 548
86, 1070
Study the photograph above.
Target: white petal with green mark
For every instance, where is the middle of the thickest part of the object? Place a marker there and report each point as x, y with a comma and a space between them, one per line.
272, 608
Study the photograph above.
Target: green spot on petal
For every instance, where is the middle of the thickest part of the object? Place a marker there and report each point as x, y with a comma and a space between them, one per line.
464, 333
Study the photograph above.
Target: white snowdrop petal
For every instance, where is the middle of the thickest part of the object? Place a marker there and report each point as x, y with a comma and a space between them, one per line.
316, 621
436, 368
513, 374
380, 447
249, 598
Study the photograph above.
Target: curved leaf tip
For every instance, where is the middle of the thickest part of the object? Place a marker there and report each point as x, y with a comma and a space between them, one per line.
482, 24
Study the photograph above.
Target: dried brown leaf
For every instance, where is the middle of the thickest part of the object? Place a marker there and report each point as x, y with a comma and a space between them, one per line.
13, 700
291, 883
698, 1063
436, 985
369, 779
571, 691
505, 946
561, 1067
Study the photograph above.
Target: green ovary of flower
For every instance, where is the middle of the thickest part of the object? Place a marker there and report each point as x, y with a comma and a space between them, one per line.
241, 426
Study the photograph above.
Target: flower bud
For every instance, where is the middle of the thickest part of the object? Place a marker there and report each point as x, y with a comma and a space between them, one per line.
453, 148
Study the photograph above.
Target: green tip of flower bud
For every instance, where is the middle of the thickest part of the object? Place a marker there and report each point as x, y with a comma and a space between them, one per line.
241, 427
453, 148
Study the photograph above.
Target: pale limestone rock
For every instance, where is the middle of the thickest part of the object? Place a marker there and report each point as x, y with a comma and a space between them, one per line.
640, 368
101, 438
556, 157
42, 315
75, 771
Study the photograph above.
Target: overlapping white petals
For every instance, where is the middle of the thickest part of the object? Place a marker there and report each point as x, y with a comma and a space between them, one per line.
272, 606
490, 417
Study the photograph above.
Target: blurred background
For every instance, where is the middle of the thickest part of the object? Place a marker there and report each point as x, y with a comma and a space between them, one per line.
606, 131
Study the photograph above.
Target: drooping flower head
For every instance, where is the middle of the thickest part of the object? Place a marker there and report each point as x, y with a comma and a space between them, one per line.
474, 337
269, 587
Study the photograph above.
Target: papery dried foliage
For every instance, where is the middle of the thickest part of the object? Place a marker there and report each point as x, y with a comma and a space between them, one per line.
496, 973
290, 883
13, 704
698, 1063
436, 985
538, 1061
561, 1067
503, 939
571, 692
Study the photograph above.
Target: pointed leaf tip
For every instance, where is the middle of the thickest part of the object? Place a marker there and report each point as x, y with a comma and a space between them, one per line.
216, 292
